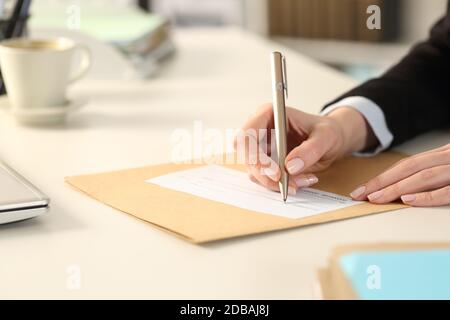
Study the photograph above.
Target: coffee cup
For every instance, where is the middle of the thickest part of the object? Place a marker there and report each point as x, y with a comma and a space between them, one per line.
36, 72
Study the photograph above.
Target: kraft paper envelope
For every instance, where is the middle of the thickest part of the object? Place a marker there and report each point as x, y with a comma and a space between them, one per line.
335, 285
201, 220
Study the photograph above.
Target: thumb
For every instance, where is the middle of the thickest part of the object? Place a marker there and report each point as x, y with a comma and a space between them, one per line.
308, 153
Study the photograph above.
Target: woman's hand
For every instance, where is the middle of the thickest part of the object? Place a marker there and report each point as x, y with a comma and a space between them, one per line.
314, 142
422, 180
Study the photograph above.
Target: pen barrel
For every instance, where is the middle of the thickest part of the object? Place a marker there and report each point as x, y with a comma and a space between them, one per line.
279, 115
280, 137
284, 184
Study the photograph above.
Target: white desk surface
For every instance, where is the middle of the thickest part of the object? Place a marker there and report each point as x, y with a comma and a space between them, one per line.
219, 77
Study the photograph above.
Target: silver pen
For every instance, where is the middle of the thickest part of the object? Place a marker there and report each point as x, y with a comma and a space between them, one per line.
279, 93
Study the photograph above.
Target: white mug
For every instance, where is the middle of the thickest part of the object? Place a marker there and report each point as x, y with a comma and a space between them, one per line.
36, 72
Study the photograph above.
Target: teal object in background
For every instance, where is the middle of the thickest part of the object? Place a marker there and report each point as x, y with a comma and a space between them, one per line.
419, 274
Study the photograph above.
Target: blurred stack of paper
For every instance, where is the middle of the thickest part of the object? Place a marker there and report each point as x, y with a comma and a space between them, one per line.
388, 272
143, 38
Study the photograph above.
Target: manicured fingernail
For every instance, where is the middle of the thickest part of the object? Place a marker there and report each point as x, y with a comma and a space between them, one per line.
292, 191
358, 192
408, 198
376, 195
271, 173
295, 165
306, 182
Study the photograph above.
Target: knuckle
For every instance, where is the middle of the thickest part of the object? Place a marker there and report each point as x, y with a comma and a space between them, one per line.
266, 107
395, 190
375, 183
401, 162
446, 192
428, 174
313, 153
428, 197
328, 131
446, 154
409, 165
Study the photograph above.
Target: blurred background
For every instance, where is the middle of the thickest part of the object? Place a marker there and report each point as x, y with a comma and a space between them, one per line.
331, 31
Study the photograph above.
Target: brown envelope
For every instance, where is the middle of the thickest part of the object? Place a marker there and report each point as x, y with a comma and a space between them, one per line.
201, 220
333, 282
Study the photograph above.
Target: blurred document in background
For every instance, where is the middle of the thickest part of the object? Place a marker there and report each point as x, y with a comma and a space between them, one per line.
141, 37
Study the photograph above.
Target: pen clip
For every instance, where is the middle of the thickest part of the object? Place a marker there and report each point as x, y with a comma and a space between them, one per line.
285, 83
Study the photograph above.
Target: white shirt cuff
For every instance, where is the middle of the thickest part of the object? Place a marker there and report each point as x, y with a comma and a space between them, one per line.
374, 116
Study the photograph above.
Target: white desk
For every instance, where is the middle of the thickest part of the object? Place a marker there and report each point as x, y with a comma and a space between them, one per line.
220, 77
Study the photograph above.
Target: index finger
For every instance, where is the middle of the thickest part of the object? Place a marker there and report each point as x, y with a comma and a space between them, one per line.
261, 119
402, 170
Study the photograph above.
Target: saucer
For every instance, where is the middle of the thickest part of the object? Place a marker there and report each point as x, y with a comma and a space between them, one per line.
43, 116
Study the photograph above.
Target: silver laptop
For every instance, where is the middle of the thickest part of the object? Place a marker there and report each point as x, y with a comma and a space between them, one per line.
19, 199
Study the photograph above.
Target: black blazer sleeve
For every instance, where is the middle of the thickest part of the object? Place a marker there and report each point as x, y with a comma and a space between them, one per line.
415, 94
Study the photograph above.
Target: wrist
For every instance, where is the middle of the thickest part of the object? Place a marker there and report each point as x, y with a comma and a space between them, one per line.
356, 132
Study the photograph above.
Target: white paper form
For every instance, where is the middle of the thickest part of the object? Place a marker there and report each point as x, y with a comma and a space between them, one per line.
233, 187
